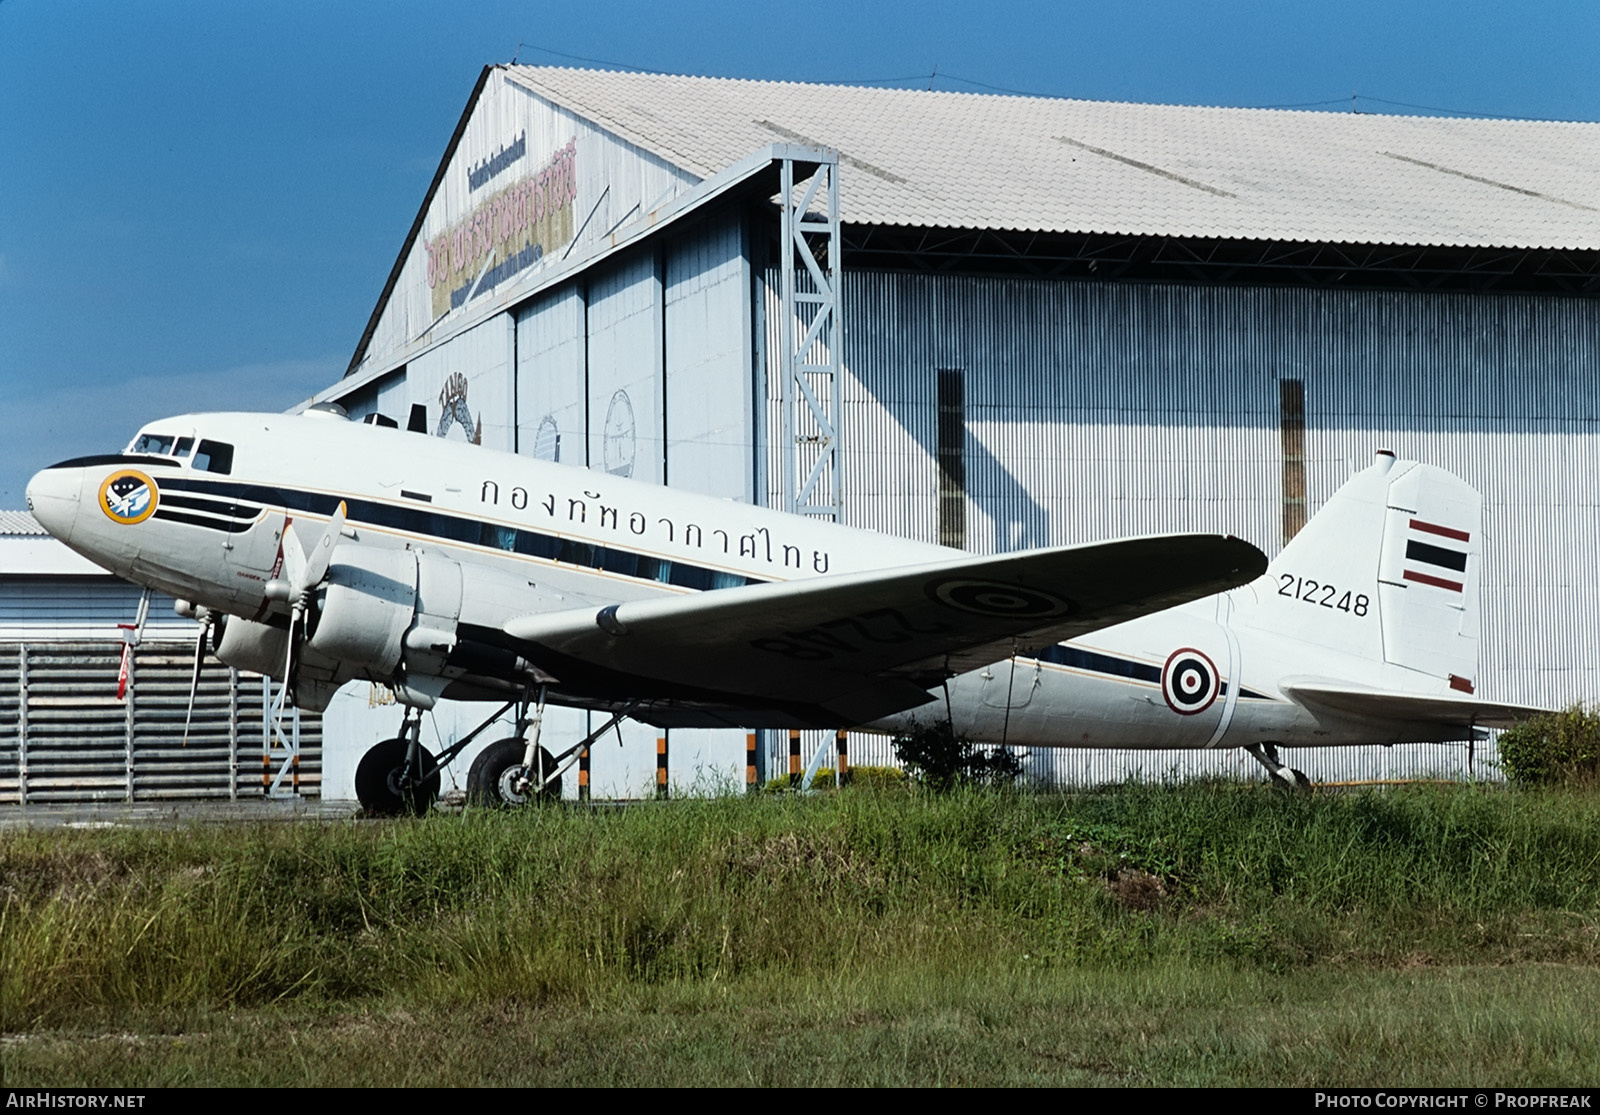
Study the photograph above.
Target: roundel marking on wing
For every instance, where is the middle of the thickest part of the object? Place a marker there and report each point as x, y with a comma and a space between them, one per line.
1189, 681
128, 496
991, 598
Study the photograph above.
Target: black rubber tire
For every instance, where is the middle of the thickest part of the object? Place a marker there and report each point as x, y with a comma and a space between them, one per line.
497, 767
377, 781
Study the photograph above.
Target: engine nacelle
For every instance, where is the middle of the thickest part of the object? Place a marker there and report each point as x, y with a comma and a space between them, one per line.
367, 607
395, 616
247, 645
261, 648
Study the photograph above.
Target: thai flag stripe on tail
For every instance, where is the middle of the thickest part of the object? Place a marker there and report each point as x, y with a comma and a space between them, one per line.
1439, 558
1442, 532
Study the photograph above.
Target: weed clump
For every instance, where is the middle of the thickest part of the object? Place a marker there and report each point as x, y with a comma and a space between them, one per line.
1557, 748
934, 755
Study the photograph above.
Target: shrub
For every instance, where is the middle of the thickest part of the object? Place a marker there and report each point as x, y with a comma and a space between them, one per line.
877, 778
933, 755
1555, 748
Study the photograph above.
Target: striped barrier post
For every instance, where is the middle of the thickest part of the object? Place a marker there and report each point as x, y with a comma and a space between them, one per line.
661, 767
794, 756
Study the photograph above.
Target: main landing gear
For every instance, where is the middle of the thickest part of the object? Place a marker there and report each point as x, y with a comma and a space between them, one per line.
499, 777
401, 776
516, 770
1285, 778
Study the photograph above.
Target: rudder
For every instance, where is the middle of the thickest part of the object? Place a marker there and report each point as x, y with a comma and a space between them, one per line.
1386, 571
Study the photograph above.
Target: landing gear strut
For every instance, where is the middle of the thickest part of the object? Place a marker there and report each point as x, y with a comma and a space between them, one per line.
398, 775
401, 776
1285, 778
516, 770
498, 777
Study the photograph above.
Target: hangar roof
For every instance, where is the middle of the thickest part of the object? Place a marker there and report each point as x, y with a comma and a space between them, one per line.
20, 522
1034, 164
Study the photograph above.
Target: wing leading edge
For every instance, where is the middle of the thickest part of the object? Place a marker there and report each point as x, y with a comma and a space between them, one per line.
849, 648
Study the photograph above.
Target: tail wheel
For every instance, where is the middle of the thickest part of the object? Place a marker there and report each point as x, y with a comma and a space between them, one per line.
494, 775
383, 786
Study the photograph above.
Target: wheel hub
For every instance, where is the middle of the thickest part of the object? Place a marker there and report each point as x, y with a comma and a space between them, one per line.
514, 785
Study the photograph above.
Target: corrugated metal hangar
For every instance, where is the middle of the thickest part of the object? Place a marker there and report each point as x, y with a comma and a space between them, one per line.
998, 322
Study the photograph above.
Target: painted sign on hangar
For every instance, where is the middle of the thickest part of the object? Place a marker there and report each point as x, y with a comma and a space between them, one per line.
508, 230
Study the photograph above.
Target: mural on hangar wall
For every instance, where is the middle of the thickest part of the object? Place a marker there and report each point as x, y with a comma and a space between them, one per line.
508, 231
453, 410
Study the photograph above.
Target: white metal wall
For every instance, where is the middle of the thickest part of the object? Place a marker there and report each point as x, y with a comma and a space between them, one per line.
82, 608
627, 427
1100, 410
709, 376
466, 381
552, 375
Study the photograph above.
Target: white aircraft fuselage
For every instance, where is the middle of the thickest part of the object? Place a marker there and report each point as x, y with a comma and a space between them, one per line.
464, 572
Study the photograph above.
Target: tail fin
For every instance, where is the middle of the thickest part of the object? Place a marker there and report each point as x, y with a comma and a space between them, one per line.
1386, 571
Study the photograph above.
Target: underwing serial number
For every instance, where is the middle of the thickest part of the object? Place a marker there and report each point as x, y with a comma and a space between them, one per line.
1322, 595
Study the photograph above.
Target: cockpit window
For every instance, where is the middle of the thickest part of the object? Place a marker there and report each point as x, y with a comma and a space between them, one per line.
157, 445
214, 456
185, 444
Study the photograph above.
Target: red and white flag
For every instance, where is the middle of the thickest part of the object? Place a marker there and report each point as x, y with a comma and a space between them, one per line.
129, 633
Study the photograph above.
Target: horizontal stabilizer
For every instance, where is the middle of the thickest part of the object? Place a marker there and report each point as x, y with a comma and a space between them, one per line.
852, 647
1389, 707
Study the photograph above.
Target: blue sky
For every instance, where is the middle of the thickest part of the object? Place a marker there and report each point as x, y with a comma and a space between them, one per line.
199, 202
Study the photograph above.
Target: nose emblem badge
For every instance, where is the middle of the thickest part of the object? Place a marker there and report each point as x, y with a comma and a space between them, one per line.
128, 496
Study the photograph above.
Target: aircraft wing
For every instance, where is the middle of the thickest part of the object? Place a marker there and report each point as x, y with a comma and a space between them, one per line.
848, 648
1370, 704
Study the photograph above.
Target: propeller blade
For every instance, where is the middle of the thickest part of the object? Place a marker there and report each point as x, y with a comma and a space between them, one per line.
288, 672
322, 552
304, 567
294, 559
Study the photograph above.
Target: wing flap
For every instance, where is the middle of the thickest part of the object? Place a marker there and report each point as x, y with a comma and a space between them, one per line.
853, 647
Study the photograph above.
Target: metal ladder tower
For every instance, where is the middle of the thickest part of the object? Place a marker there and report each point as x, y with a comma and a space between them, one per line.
811, 336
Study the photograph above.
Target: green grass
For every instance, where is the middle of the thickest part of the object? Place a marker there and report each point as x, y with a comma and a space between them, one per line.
1205, 934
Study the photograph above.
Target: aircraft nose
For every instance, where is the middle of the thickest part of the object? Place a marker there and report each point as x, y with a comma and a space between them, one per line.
53, 498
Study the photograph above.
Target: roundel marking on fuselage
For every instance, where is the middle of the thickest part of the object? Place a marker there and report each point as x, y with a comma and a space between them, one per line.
1189, 682
129, 496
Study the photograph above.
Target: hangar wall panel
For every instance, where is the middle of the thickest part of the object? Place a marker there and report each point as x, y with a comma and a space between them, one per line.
1099, 767
708, 391
552, 371
83, 608
626, 413
466, 386
1100, 410
526, 182
710, 429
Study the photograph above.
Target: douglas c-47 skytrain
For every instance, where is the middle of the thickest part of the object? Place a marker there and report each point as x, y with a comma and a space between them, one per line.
321, 551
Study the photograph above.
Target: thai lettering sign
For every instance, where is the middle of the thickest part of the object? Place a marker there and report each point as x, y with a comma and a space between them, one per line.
506, 233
